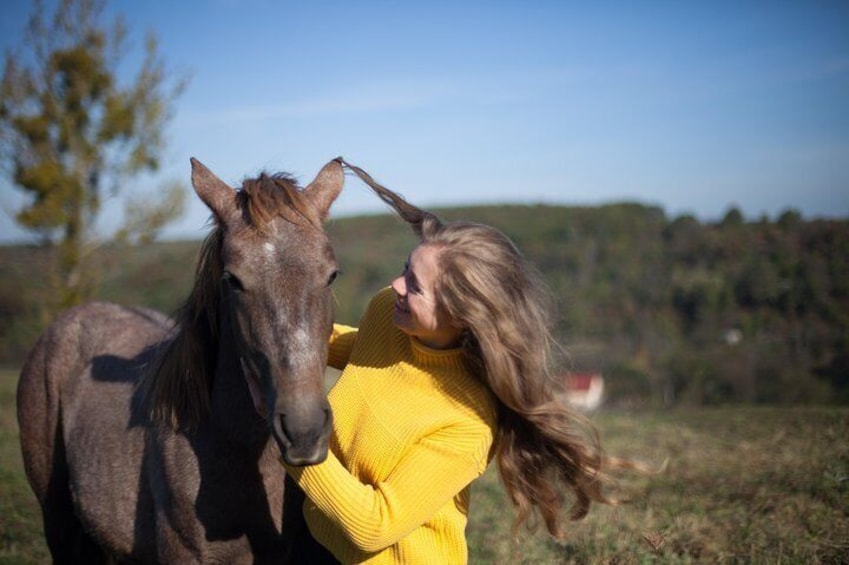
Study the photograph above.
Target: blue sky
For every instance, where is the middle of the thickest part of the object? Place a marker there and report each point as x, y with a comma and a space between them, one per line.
695, 106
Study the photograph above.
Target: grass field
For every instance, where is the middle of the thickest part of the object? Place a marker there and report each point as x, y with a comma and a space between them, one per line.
742, 485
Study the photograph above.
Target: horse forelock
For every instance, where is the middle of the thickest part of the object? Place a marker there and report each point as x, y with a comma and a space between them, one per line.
178, 390
271, 196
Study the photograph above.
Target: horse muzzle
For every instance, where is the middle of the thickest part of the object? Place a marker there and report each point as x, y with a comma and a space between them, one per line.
302, 432
301, 429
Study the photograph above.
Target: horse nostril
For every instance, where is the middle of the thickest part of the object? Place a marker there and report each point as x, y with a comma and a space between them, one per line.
282, 419
280, 433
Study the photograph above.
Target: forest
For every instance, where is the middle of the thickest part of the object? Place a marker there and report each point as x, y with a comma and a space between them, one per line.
672, 311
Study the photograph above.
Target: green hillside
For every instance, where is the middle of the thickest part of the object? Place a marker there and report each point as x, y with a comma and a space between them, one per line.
672, 310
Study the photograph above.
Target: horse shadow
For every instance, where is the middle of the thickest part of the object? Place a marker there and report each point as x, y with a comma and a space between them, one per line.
224, 513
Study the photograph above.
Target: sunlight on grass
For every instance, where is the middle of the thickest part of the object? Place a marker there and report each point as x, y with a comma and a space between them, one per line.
743, 484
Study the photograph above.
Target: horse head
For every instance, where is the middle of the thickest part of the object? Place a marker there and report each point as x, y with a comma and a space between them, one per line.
276, 268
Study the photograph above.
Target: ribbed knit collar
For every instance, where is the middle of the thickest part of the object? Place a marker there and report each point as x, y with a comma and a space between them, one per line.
428, 357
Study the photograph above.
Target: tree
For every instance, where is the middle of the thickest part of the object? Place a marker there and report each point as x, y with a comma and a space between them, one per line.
733, 217
72, 135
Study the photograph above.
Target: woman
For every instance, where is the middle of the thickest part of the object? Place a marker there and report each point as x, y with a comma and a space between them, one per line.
448, 369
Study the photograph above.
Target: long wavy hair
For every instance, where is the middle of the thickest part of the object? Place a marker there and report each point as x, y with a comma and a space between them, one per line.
507, 315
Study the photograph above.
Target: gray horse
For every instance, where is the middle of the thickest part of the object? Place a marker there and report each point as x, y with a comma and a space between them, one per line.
150, 441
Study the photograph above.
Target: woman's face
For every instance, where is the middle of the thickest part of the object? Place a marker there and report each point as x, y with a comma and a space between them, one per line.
416, 311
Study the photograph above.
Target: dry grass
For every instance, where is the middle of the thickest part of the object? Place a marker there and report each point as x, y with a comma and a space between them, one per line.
21, 539
743, 485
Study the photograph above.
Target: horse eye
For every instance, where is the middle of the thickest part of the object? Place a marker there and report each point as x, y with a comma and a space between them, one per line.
332, 277
232, 281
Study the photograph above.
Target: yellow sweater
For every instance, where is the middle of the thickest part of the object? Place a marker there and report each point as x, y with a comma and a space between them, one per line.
412, 430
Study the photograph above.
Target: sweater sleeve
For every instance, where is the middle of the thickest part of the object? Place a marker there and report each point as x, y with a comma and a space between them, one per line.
377, 516
340, 345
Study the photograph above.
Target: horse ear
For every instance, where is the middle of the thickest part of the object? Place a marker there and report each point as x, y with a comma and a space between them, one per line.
214, 192
326, 187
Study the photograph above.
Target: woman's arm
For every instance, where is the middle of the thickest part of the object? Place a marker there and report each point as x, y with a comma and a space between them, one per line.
341, 344
376, 516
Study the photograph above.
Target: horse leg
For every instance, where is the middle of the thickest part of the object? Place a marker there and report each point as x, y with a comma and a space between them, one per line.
66, 536
43, 450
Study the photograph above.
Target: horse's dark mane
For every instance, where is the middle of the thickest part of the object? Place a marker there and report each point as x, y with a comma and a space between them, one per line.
178, 388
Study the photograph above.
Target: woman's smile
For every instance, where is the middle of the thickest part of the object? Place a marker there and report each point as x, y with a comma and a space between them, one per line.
401, 307
417, 312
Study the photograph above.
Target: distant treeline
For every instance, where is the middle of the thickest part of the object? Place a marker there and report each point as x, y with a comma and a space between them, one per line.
671, 310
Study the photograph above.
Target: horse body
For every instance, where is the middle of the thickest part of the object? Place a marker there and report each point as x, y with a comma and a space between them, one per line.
80, 449
156, 441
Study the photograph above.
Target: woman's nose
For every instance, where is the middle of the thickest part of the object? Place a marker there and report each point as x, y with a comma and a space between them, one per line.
399, 287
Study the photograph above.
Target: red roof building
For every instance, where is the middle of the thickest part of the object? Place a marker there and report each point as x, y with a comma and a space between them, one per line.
584, 390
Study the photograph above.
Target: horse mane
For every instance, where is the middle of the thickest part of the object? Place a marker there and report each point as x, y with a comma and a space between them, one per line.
178, 389
277, 195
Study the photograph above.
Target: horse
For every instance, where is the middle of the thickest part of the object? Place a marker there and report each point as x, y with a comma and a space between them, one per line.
148, 439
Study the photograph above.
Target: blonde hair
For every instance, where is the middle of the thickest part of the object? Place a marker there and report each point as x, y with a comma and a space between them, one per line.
507, 316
